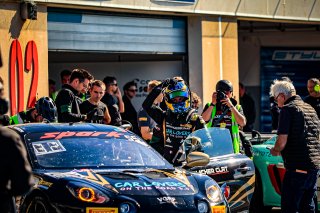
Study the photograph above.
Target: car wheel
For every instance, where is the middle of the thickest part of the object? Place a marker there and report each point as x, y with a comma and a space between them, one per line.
256, 204
39, 205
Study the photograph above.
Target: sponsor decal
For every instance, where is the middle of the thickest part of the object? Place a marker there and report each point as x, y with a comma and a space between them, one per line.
47, 147
296, 55
218, 209
146, 186
163, 200
214, 171
101, 210
59, 135
262, 153
45, 183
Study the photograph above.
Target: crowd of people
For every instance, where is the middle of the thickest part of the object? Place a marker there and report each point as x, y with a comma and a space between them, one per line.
170, 113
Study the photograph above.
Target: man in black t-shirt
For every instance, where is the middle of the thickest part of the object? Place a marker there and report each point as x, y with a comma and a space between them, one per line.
314, 94
113, 100
96, 111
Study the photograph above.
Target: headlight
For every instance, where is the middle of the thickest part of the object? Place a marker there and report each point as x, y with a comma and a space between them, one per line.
203, 207
213, 191
127, 208
87, 193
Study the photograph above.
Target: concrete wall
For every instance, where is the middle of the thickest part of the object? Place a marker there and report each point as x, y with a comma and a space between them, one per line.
11, 28
213, 54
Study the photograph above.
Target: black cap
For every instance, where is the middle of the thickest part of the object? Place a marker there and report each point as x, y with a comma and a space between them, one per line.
224, 85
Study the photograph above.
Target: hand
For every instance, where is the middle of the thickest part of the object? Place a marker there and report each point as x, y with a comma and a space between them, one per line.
168, 82
118, 93
214, 98
274, 152
227, 102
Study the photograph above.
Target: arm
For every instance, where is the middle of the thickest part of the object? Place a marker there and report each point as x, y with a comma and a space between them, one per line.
20, 169
283, 130
145, 132
107, 117
154, 112
207, 111
238, 115
64, 106
241, 119
120, 101
279, 145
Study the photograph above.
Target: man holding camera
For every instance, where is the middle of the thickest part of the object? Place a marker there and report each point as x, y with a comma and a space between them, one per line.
224, 112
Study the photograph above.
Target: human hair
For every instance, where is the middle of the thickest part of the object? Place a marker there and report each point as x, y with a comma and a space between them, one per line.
281, 86
80, 74
128, 85
98, 83
65, 73
241, 85
314, 80
152, 84
52, 82
109, 80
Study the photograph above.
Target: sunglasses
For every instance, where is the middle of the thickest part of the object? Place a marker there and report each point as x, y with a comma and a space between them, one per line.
133, 90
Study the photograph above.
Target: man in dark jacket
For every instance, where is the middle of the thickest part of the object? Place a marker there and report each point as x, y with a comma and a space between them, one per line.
249, 109
299, 144
67, 100
15, 178
130, 113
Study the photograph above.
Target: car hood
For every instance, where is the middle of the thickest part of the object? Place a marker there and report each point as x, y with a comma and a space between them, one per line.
135, 182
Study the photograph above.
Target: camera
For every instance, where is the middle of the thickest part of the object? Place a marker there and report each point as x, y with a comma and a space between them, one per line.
220, 95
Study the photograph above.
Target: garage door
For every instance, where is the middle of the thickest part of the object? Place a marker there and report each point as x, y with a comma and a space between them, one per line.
79, 31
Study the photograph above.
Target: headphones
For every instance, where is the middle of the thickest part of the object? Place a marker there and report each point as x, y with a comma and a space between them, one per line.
317, 88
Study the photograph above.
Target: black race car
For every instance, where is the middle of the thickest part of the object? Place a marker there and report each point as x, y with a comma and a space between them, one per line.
98, 168
235, 173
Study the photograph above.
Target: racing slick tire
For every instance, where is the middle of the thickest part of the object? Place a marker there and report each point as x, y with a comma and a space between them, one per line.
256, 204
39, 205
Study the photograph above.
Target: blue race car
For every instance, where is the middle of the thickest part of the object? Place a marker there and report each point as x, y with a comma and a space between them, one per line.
98, 168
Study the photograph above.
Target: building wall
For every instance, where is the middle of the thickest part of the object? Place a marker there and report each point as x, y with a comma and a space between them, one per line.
13, 27
250, 44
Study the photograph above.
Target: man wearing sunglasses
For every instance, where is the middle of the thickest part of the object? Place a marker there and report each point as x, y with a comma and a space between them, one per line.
67, 100
130, 113
178, 120
113, 100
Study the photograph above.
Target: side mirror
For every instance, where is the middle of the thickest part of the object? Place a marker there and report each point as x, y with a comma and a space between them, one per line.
126, 126
197, 159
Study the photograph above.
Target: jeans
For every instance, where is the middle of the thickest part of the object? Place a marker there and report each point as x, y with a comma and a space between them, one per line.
298, 191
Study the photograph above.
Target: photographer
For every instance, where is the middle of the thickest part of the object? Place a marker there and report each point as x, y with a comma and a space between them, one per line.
224, 112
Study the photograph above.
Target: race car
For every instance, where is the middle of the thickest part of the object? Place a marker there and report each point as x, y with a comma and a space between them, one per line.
235, 173
98, 168
269, 175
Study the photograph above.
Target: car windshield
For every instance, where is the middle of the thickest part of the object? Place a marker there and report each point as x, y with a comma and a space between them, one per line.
215, 141
98, 151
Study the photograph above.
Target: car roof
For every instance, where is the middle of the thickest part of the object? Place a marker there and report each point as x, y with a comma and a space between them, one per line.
62, 127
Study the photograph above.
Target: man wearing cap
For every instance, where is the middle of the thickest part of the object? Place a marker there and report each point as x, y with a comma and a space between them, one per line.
224, 112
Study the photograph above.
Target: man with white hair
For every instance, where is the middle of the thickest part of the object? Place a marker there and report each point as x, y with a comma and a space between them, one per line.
298, 142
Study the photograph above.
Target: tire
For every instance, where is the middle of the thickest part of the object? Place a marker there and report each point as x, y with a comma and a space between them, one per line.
256, 204
39, 204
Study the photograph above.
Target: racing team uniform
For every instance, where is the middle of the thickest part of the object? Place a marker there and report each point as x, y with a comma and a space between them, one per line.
68, 103
176, 126
22, 117
228, 121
